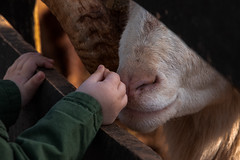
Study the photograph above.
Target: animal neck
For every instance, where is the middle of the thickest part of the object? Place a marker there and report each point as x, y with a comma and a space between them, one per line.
212, 133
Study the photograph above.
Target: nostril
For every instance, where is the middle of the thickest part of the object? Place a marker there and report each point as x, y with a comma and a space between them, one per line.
156, 80
140, 85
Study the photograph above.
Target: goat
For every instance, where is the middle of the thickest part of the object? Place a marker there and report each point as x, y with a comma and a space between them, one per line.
169, 85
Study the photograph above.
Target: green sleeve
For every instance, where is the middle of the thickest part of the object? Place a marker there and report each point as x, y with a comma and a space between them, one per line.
64, 133
10, 102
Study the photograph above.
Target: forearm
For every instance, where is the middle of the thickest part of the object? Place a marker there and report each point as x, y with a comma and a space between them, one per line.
64, 133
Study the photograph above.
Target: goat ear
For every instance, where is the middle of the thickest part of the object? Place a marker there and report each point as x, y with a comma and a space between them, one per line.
92, 28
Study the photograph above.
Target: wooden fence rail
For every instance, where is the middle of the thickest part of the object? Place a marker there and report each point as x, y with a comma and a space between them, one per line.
111, 141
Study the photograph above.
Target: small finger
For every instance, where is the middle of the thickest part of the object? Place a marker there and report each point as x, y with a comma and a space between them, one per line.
106, 72
31, 86
26, 59
47, 64
113, 78
50, 60
35, 80
98, 75
20, 62
44, 62
23, 56
35, 61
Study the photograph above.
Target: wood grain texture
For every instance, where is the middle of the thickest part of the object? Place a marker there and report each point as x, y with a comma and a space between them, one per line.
94, 28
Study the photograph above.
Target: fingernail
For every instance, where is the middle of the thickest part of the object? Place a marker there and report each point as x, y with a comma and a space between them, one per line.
100, 66
41, 76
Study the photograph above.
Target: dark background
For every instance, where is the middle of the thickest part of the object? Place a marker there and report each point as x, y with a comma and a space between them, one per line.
210, 27
20, 14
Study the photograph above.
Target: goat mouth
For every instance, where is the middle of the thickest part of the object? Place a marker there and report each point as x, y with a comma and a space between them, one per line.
141, 113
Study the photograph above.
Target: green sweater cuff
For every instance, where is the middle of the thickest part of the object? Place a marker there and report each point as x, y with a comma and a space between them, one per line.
10, 102
82, 103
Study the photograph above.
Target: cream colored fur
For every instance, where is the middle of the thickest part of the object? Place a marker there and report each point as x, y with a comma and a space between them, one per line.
198, 108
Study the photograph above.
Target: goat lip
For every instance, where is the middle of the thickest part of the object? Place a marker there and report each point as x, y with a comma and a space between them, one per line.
141, 113
148, 113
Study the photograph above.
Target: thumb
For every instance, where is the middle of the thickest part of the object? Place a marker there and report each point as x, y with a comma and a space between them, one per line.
31, 86
98, 75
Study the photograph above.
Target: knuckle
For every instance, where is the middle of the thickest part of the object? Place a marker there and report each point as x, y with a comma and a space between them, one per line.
29, 62
29, 54
123, 87
115, 75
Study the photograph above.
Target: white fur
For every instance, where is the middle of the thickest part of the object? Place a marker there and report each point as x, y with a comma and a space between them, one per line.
186, 84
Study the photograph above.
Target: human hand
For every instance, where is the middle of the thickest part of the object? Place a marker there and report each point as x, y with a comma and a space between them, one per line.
108, 90
22, 73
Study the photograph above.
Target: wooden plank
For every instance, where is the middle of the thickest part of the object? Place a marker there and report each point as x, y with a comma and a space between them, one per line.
111, 141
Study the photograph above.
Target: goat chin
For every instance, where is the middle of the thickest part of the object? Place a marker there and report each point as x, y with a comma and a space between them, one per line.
169, 85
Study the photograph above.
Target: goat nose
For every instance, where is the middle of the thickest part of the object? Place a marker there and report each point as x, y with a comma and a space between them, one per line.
139, 85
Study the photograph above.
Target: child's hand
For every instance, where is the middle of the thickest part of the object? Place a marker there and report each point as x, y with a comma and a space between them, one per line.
108, 90
22, 73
